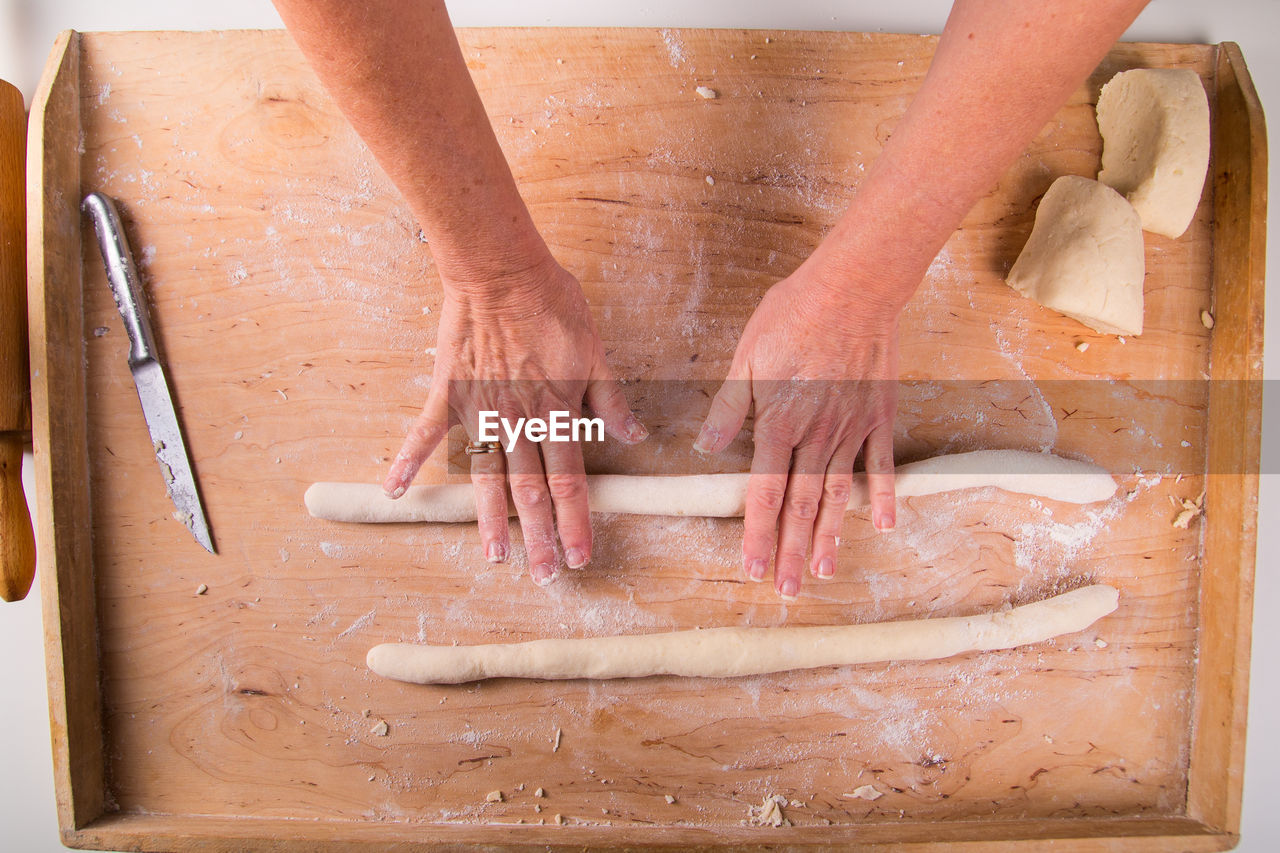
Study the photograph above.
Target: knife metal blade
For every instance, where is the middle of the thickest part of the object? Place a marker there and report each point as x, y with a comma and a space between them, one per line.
148, 373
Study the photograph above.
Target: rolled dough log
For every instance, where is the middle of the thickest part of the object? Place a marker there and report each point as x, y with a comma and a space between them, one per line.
724, 495
729, 652
1155, 144
1084, 257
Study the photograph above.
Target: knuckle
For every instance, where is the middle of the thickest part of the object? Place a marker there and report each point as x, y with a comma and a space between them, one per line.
613, 397
802, 507
566, 487
838, 490
769, 497
487, 481
789, 556
527, 494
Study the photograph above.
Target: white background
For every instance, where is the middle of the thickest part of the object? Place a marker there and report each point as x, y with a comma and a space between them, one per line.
28, 27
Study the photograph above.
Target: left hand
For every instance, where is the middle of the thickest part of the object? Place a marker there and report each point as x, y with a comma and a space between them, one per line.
821, 370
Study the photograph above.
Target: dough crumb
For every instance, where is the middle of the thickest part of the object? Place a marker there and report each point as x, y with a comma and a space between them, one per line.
711, 182
1082, 346
1100, 643
1190, 509
381, 729
864, 792
539, 793
239, 435
707, 92
769, 812
371, 778
202, 589
366, 712
493, 797
1048, 739
1207, 319
555, 746
671, 801
537, 808
559, 819
1121, 339
158, 445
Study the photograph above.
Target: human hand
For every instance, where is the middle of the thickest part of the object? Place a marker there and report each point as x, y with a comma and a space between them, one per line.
523, 346
821, 370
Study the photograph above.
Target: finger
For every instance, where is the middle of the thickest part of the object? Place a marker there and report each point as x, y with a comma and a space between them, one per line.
799, 512
606, 399
877, 456
837, 487
488, 475
567, 483
766, 490
533, 506
427, 430
728, 411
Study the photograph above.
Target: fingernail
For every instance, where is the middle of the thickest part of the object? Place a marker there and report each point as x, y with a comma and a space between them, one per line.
392, 490
790, 587
496, 552
884, 523
826, 568
635, 430
544, 575
707, 439
575, 558
755, 571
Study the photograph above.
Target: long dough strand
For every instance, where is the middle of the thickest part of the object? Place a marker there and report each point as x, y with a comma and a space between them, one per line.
724, 495
729, 652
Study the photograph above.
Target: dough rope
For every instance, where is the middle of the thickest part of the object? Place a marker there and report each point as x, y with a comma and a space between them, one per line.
724, 495
731, 652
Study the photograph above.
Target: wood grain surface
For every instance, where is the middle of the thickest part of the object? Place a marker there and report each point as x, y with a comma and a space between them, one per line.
296, 309
17, 542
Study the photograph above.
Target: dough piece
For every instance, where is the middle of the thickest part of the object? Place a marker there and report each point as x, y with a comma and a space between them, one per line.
730, 652
1155, 144
1084, 257
724, 495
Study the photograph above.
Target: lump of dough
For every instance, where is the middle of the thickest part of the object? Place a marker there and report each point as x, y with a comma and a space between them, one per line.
1084, 257
1155, 144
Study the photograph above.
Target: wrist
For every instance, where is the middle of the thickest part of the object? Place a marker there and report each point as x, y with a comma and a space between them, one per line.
479, 267
519, 286
842, 279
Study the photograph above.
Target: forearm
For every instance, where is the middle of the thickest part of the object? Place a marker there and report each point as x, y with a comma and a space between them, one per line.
397, 72
1002, 69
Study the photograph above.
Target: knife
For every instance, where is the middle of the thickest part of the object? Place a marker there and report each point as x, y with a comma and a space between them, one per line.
148, 372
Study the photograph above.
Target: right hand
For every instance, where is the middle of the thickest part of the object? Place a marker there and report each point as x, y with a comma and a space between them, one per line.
522, 344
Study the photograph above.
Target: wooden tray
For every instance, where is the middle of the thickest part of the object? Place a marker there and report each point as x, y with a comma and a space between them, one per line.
293, 302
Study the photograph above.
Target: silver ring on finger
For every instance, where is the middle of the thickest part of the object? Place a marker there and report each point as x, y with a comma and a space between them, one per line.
479, 447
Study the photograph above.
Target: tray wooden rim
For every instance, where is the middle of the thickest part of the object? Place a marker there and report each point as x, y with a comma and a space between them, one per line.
1215, 774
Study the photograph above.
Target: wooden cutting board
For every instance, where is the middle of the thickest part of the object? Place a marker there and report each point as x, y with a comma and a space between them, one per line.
296, 308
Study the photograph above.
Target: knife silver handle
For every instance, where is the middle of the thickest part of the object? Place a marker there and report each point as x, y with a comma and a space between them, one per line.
122, 276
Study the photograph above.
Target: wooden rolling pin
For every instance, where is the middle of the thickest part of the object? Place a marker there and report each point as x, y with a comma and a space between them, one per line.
17, 543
